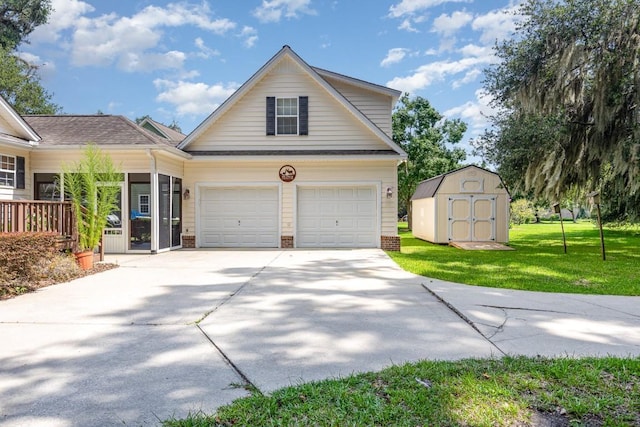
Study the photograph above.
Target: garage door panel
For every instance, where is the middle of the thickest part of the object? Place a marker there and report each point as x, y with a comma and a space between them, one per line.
342, 216
239, 217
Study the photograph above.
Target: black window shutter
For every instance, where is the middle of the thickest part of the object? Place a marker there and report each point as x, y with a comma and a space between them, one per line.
303, 105
20, 172
271, 115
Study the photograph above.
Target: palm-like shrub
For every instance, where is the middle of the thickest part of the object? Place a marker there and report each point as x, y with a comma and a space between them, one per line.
91, 185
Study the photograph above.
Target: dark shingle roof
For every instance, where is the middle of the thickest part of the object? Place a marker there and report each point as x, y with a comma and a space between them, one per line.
104, 130
428, 188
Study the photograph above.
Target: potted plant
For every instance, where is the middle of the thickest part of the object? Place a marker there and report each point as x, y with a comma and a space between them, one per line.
91, 186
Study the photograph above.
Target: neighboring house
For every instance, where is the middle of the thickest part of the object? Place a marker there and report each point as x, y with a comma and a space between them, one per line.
296, 157
162, 130
470, 204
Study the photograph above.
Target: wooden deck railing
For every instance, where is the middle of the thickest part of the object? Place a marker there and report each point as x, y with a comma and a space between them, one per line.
38, 216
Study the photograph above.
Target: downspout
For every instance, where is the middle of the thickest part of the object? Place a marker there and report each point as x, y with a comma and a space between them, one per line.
155, 224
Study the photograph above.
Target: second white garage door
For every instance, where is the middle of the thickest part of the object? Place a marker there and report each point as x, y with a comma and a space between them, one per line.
337, 217
239, 217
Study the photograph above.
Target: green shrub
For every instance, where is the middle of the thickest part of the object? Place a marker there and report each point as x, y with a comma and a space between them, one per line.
22, 254
522, 212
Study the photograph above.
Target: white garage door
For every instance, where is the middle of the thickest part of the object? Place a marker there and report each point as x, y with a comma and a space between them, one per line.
337, 217
232, 217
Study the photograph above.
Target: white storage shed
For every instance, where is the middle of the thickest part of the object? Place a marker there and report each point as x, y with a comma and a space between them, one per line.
470, 204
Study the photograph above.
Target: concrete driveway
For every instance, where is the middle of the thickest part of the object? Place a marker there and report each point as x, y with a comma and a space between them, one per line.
184, 331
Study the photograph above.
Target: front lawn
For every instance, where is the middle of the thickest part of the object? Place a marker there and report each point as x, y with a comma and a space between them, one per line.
504, 392
538, 262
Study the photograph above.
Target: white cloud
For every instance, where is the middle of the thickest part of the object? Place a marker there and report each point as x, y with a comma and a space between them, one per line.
45, 68
448, 24
193, 98
470, 76
250, 36
274, 10
434, 72
394, 56
475, 50
64, 15
496, 25
205, 51
474, 113
410, 7
130, 42
144, 62
407, 26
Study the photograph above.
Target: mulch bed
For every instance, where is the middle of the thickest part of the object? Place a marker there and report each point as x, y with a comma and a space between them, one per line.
8, 291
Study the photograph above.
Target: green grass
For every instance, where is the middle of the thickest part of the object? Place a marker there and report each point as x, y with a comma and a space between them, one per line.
538, 262
500, 392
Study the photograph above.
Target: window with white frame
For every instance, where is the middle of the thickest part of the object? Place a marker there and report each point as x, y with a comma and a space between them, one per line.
7, 170
143, 203
287, 116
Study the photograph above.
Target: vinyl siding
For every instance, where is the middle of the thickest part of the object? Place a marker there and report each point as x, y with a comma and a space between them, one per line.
169, 165
424, 219
331, 125
52, 160
382, 173
377, 107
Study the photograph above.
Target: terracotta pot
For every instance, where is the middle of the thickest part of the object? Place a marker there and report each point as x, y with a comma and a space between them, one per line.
85, 259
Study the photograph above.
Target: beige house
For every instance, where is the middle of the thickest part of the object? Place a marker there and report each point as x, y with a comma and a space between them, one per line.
297, 157
470, 204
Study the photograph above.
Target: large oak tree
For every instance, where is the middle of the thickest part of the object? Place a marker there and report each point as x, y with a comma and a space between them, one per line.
568, 85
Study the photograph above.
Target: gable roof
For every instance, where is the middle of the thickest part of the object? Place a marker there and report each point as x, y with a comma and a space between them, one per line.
102, 130
162, 130
393, 93
24, 134
429, 187
315, 75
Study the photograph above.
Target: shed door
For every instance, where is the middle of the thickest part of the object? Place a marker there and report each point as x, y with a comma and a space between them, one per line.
337, 217
233, 217
472, 218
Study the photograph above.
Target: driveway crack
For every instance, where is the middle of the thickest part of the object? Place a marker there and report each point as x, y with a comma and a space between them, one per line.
463, 317
505, 308
237, 291
248, 385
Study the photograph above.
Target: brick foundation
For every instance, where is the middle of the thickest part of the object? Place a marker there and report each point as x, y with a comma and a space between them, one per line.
390, 243
286, 242
188, 242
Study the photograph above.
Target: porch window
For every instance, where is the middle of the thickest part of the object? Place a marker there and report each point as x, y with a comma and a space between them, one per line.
7, 171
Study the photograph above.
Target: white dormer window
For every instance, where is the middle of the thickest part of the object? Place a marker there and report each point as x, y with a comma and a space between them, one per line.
287, 116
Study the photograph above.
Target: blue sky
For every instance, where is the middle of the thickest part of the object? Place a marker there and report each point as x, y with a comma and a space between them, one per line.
178, 60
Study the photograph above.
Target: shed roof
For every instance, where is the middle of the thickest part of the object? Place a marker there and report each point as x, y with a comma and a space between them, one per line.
429, 187
101, 129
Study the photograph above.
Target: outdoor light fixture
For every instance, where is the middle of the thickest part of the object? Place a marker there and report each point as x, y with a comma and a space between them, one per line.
389, 192
186, 194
